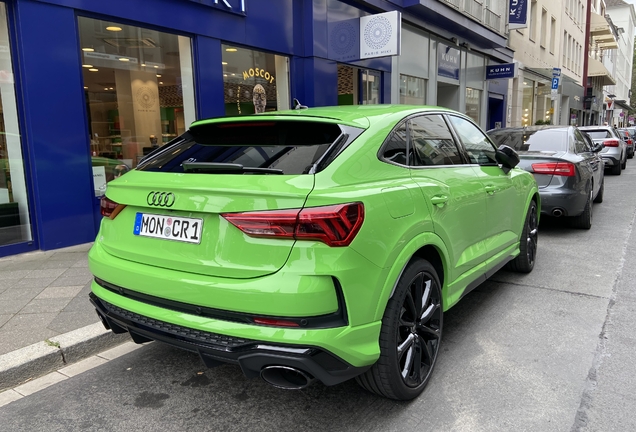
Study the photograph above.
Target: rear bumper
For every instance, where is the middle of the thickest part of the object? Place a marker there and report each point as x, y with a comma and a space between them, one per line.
214, 349
611, 160
569, 202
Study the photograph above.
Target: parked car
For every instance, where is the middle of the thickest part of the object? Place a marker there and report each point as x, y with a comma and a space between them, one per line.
628, 137
614, 153
567, 169
313, 244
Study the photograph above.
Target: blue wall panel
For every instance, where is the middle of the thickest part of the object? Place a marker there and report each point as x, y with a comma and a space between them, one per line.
267, 24
55, 124
208, 77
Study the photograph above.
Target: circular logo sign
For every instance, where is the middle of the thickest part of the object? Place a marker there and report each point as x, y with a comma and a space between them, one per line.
377, 32
145, 97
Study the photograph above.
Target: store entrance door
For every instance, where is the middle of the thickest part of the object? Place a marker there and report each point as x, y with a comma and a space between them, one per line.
358, 86
495, 111
448, 95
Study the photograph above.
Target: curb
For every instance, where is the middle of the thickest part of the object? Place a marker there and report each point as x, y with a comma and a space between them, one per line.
39, 359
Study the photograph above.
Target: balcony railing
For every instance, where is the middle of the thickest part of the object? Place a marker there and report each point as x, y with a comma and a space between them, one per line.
453, 3
473, 8
492, 20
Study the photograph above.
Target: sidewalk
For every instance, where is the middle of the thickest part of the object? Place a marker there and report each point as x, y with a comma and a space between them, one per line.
46, 318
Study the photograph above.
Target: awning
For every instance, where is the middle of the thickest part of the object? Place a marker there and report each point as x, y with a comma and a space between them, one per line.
596, 69
623, 104
599, 25
601, 32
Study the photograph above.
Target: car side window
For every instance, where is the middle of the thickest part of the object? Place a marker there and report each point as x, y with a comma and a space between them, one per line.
394, 149
580, 143
479, 148
432, 142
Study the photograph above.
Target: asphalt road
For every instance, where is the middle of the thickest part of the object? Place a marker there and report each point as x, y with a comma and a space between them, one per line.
548, 351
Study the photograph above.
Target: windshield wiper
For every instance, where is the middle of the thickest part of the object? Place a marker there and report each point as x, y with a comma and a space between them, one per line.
228, 168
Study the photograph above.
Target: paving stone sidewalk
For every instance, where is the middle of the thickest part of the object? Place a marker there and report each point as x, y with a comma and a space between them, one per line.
44, 294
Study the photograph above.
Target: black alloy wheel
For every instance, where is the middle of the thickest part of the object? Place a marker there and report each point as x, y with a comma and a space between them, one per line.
524, 262
410, 337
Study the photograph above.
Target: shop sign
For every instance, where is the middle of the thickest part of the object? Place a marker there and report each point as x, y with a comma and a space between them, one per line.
447, 61
380, 35
518, 14
506, 70
258, 72
236, 6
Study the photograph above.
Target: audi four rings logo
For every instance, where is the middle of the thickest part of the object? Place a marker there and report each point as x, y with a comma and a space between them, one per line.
160, 199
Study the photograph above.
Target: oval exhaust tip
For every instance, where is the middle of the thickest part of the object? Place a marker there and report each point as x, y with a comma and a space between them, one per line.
285, 377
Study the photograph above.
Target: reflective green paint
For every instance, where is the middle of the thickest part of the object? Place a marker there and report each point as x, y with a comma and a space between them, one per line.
356, 345
449, 210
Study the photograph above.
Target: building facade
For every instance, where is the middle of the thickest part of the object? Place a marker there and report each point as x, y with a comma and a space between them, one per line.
620, 62
122, 77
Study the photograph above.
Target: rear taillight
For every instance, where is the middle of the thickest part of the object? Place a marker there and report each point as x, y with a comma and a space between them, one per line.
611, 143
629, 142
555, 168
335, 225
110, 208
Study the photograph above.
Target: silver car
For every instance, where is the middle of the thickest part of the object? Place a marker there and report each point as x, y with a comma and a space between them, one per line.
614, 151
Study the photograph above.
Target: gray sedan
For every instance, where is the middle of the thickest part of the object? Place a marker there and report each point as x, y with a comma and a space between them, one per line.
567, 168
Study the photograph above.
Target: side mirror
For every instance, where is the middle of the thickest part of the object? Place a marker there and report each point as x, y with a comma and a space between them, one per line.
597, 147
507, 157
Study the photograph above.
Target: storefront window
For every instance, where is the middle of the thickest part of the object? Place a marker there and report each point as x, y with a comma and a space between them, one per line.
544, 104
473, 103
412, 90
15, 224
526, 104
370, 87
254, 81
475, 78
139, 93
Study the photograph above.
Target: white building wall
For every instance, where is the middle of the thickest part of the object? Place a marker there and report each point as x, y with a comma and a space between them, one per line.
540, 47
621, 60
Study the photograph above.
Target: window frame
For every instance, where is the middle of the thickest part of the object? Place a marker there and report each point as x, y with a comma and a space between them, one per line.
463, 146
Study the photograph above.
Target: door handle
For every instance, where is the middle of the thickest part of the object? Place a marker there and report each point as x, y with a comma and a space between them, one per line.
439, 200
490, 190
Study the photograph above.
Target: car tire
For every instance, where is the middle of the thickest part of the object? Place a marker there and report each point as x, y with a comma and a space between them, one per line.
584, 220
630, 154
624, 164
599, 196
616, 169
411, 334
524, 262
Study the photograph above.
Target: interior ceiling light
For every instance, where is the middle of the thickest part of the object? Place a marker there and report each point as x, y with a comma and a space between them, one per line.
113, 28
93, 69
160, 82
105, 88
87, 66
231, 49
158, 76
223, 63
123, 42
88, 49
156, 67
124, 59
143, 64
85, 88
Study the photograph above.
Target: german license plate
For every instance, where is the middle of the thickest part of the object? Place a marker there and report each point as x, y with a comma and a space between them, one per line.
168, 227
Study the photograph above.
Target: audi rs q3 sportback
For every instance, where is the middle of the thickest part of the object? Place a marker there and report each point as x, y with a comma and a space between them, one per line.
313, 244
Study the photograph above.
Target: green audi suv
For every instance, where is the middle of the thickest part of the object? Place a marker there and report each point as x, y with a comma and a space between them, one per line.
318, 244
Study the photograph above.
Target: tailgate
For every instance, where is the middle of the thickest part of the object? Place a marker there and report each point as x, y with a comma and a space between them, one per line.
215, 247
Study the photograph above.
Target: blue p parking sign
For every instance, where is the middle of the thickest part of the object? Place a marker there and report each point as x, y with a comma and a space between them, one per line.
555, 83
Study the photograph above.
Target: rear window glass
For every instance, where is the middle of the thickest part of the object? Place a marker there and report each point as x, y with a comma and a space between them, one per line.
277, 147
529, 140
599, 134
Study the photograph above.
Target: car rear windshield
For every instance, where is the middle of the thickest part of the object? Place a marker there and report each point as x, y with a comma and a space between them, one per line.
531, 140
253, 147
598, 133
